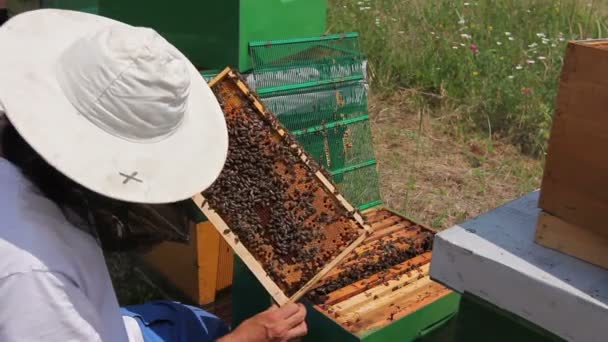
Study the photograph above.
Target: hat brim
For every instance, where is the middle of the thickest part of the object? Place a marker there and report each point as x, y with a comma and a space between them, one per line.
171, 170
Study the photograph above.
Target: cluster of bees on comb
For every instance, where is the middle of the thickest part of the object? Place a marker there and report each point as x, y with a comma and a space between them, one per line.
272, 201
377, 258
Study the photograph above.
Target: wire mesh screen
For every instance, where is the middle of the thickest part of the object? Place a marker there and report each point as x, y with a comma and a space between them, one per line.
341, 144
318, 105
303, 62
317, 88
361, 186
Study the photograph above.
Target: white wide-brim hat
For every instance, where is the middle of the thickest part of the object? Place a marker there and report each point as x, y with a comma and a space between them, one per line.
114, 107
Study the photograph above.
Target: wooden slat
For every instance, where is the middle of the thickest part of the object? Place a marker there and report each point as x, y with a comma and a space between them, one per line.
376, 215
388, 231
382, 294
225, 266
375, 279
567, 238
208, 240
219, 77
391, 221
352, 260
400, 307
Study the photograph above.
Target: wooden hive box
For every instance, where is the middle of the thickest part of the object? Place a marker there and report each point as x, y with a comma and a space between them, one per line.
574, 193
199, 269
381, 291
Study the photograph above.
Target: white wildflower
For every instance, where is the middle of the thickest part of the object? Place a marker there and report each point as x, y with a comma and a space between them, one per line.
541, 35
508, 34
530, 61
511, 77
455, 47
401, 32
553, 45
499, 43
461, 21
511, 38
541, 58
462, 45
519, 67
466, 4
545, 41
533, 45
466, 36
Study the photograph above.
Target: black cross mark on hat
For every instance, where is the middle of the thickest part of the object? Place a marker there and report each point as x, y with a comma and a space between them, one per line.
131, 177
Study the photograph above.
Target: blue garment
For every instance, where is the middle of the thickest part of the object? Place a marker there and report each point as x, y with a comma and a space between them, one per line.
162, 321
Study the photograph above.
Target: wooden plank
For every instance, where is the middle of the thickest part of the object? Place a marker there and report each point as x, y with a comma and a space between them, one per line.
208, 240
225, 266
387, 222
376, 279
574, 186
382, 233
400, 307
219, 77
371, 246
374, 214
587, 245
382, 294
371, 211
381, 291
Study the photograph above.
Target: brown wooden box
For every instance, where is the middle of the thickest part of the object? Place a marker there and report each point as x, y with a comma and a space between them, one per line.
574, 191
199, 269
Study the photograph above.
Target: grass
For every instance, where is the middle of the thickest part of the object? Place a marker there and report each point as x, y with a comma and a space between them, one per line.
438, 176
498, 61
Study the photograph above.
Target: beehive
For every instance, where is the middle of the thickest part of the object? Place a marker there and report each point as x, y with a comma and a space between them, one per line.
317, 88
381, 291
382, 280
272, 203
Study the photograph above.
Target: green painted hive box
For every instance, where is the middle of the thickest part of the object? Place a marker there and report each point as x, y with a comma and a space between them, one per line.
214, 34
381, 292
423, 323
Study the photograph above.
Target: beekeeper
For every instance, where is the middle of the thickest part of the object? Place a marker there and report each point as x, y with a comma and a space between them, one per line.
99, 112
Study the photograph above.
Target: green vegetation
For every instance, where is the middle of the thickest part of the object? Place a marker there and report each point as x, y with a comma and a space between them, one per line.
497, 61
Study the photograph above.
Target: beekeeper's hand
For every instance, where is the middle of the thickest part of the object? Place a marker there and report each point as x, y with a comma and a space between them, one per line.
275, 324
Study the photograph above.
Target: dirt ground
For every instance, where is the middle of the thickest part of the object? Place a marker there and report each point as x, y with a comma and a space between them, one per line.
431, 173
